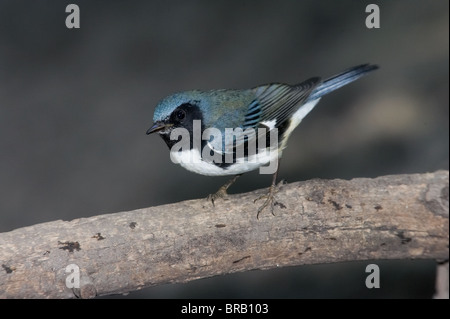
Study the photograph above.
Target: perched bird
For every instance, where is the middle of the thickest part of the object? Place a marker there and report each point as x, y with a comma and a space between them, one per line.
215, 132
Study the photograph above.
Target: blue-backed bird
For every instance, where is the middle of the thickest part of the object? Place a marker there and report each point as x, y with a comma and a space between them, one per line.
274, 107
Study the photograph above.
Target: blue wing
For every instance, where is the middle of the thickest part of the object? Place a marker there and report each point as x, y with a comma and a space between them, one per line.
274, 104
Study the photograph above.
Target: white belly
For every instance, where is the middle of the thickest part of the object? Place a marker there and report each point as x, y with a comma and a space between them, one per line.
191, 160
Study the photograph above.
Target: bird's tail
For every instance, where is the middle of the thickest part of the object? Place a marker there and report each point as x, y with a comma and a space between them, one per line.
341, 79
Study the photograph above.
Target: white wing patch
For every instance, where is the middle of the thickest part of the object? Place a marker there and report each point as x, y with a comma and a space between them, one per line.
270, 124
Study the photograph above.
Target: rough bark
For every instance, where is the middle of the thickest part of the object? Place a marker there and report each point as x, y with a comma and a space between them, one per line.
316, 221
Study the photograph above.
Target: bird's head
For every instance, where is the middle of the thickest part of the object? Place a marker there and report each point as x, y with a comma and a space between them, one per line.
177, 111
218, 109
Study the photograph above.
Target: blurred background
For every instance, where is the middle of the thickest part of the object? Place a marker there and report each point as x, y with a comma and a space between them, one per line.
75, 105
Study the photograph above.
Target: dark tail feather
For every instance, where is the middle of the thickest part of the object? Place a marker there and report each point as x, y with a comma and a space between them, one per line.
341, 79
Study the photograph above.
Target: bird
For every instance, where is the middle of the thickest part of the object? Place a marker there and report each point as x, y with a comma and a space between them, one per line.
234, 131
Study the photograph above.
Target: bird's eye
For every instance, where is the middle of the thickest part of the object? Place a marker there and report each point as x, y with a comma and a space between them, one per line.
180, 114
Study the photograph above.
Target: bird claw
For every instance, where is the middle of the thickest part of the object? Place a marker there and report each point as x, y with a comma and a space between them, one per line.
221, 193
270, 200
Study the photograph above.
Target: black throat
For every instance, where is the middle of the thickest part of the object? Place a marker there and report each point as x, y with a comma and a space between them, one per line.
193, 112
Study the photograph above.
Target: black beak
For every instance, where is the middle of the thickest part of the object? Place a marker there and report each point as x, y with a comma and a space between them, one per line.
158, 126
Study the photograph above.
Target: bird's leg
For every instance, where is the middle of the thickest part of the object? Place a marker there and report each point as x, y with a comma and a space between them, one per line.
270, 196
222, 192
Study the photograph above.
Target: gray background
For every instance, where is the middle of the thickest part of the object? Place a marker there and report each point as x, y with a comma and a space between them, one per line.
75, 105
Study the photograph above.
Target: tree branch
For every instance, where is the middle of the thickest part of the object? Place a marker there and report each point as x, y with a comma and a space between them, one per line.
317, 221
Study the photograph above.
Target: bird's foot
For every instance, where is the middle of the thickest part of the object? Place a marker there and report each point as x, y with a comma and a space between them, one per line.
221, 193
270, 200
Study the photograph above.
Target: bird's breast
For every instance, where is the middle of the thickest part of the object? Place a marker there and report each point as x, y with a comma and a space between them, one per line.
192, 161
